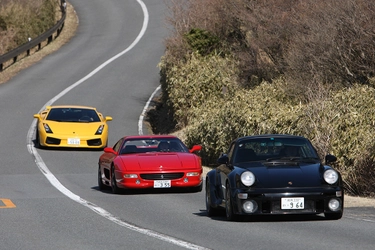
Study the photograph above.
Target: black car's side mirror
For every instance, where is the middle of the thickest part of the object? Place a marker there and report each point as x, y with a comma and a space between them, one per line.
330, 158
223, 159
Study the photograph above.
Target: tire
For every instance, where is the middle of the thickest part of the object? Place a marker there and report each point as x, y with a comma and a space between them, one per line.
114, 187
211, 211
100, 180
196, 189
333, 216
37, 138
229, 206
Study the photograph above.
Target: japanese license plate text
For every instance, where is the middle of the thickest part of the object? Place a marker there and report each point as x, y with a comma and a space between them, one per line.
293, 203
162, 183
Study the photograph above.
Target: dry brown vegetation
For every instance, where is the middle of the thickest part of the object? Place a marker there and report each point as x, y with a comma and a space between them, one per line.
243, 67
24, 19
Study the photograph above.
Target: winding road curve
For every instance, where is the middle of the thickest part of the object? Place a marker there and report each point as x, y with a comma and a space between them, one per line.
49, 198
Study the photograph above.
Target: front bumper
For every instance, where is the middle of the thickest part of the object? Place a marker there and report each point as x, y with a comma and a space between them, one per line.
315, 201
177, 180
81, 142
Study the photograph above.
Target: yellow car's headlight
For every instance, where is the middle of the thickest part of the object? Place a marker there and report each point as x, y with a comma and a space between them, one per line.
47, 128
100, 130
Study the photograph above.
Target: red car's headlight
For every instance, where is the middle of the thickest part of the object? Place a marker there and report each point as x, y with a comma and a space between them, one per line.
192, 174
130, 176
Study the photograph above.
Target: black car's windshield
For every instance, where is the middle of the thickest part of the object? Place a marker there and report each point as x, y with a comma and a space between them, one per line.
271, 149
73, 115
153, 145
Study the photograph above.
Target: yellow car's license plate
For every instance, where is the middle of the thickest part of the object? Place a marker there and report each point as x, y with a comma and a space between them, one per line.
74, 141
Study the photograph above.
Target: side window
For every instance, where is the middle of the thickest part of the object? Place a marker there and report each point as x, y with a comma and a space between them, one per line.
230, 151
118, 144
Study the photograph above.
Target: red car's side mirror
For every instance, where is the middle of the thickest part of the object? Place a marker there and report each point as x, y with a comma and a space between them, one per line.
195, 148
110, 150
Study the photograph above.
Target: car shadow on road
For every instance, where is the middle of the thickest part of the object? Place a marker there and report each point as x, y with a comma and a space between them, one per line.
67, 149
266, 218
108, 190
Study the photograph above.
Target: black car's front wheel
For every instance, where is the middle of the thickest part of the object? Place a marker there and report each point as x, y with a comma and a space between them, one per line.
229, 206
211, 211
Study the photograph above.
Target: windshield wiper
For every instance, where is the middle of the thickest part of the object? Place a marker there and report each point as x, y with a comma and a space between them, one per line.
293, 158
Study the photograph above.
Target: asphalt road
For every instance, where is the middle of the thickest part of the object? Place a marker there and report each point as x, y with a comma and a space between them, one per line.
49, 198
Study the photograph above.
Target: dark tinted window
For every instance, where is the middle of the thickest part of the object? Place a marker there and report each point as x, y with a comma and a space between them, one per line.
259, 149
73, 115
153, 145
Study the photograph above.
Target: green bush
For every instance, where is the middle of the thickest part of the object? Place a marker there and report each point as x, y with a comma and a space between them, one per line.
189, 83
202, 41
347, 127
264, 109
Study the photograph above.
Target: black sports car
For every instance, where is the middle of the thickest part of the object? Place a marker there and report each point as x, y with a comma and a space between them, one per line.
274, 175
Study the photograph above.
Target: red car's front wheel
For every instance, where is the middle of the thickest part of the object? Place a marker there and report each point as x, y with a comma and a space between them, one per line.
114, 187
100, 180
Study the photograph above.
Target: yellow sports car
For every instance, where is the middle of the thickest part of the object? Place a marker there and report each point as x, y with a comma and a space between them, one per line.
71, 126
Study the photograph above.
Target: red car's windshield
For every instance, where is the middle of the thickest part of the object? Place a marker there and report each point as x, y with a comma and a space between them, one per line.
153, 145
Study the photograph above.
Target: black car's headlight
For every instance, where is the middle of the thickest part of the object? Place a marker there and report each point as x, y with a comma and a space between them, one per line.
247, 178
47, 128
100, 130
330, 176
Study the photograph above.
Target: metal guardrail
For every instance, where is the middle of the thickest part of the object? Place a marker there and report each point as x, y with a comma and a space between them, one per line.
26, 47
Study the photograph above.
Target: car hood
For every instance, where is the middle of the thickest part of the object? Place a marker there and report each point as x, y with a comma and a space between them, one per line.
293, 175
74, 128
160, 161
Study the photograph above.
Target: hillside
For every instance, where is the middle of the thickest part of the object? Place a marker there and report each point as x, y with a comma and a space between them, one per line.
235, 68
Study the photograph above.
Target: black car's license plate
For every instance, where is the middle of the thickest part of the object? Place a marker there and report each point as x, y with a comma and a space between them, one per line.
293, 203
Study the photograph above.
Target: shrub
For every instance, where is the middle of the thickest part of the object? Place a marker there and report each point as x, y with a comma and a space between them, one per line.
262, 110
201, 41
342, 125
188, 84
352, 141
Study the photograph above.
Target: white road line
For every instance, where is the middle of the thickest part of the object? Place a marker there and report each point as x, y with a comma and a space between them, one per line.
56, 183
141, 118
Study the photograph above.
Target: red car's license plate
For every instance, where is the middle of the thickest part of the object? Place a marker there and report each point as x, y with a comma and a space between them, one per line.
162, 184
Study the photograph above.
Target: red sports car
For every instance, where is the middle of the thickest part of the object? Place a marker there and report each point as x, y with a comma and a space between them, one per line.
150, 161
